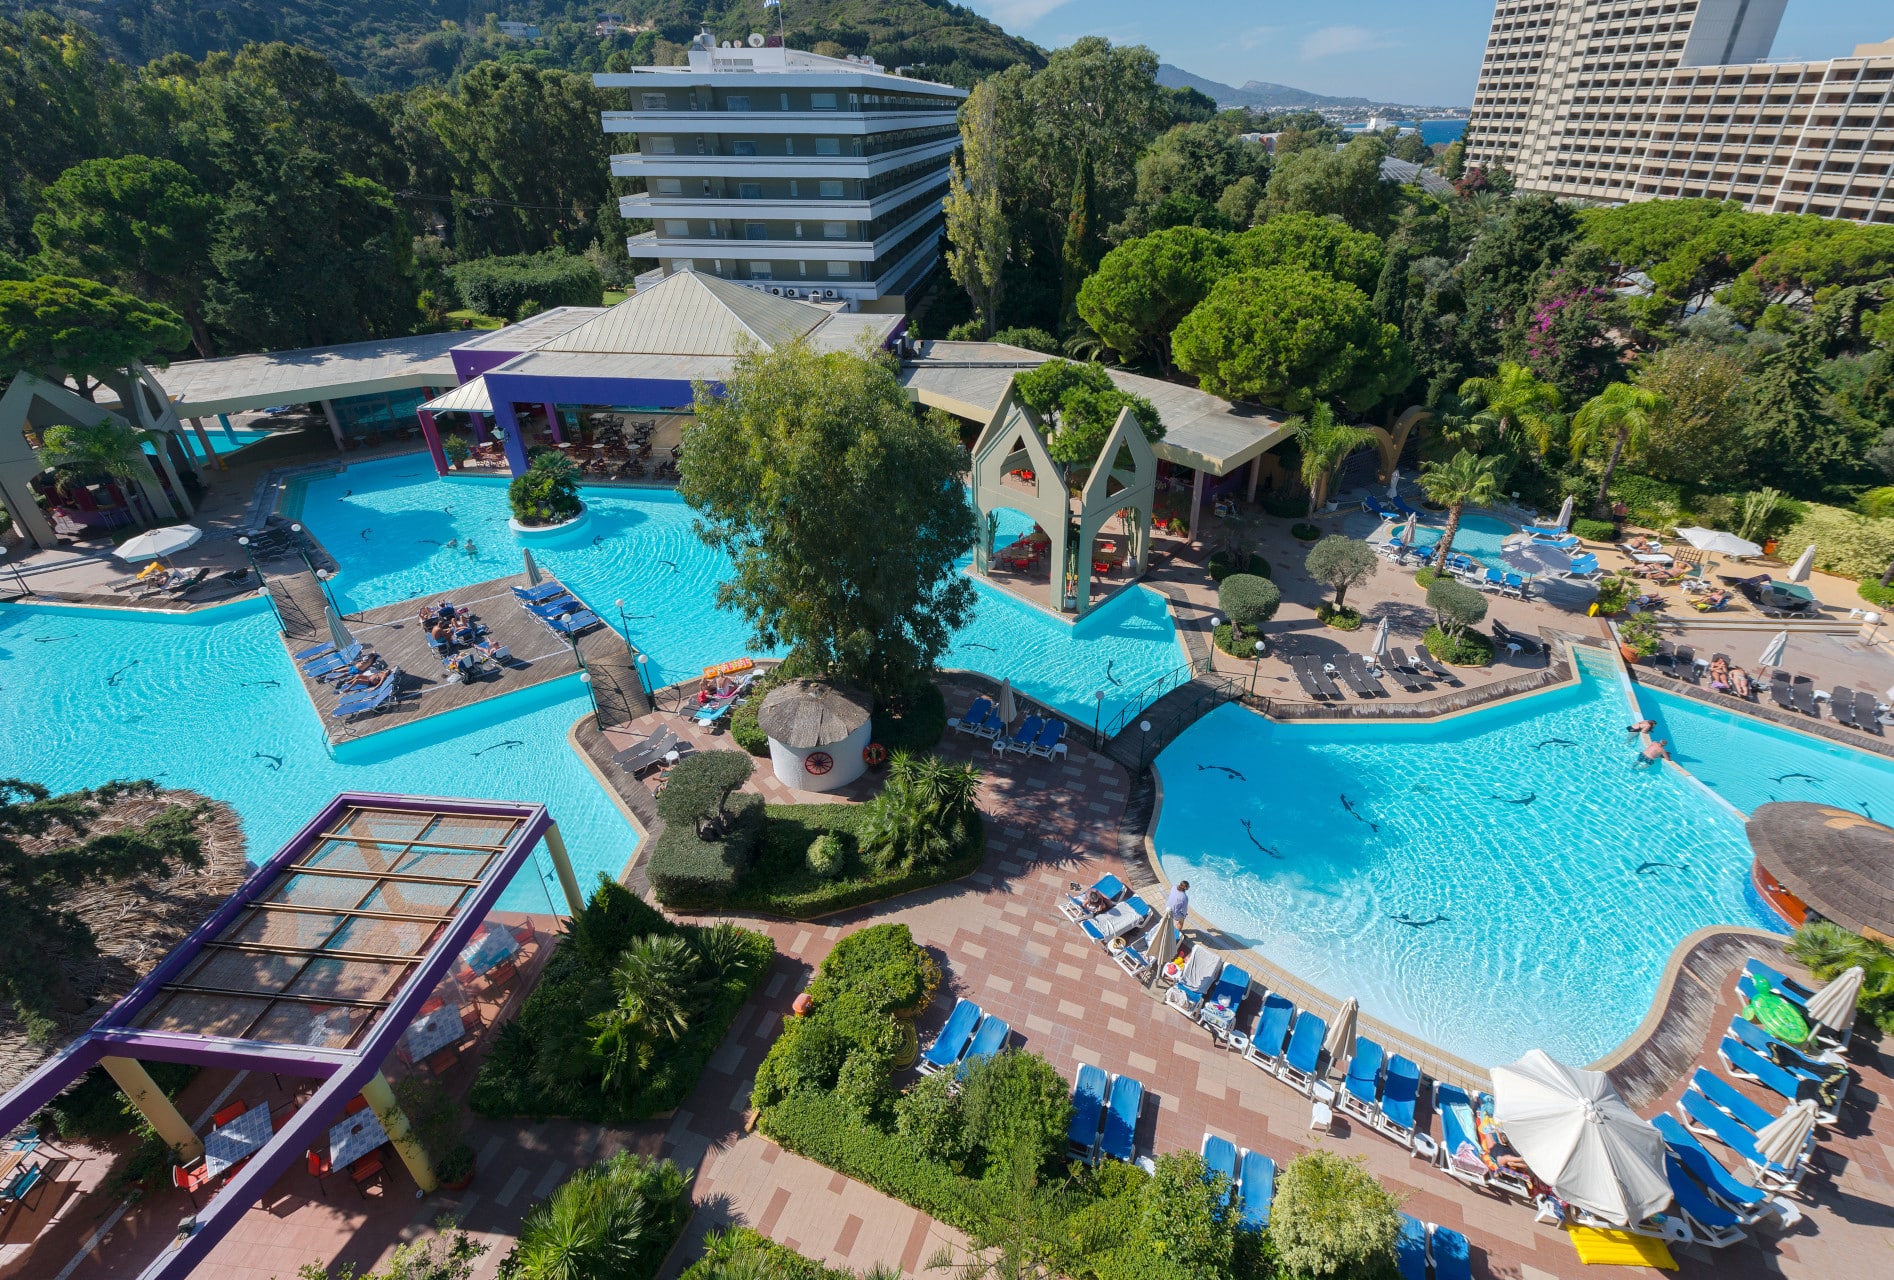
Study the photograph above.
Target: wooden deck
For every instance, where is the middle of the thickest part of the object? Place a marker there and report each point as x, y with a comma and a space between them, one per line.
539, 655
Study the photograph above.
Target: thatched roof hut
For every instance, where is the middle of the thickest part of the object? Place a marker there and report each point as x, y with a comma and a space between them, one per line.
1834, 861
136, 922
806, 714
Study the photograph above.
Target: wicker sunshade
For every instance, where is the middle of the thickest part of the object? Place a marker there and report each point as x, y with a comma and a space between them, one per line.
1837, 861
812, 713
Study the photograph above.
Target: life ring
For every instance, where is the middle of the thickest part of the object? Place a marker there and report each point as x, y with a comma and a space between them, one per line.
874, 755
817, 763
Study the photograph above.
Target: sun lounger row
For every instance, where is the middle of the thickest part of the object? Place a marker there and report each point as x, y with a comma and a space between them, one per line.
1252, 1179
1105, 1111
558, 608
970, 1036
650, 749
1425, 1249
1042, 736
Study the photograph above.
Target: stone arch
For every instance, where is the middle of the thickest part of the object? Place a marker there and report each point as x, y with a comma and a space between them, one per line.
1011, 442
1124, 479
1390, 442
32, 401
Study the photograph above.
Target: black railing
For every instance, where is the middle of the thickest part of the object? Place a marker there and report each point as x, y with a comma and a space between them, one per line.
1155, 689
1218, 689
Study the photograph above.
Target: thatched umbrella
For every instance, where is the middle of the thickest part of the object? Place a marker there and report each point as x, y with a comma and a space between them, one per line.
812, 713
136, 922
1837, 861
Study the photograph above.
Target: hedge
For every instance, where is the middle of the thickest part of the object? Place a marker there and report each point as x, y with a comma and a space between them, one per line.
1846, 543
726, 1253
819, 1126
1595, 530
503, 286
689, 872
779, 880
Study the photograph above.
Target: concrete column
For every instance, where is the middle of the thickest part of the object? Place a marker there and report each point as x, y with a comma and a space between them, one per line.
509, 428
158, 1110
552, 422
1055, 551
480, 431
1196, 508
183, 499
381, 1100
203, 438
184, 447
335, 424
147, 483
432, 435
556, 847
230, 434
1256, 473
18, 497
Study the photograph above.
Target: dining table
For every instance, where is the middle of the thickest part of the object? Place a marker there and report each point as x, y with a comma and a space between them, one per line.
354, 1136
231, 1143
431, 1032
491, 947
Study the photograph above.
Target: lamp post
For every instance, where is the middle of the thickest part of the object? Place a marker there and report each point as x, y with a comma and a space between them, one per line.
585, 678
644, 680
1098, 712
1255, 667
623, 626
17, 575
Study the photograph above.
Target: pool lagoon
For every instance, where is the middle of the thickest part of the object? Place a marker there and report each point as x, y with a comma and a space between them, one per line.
1479, 535
1496, 881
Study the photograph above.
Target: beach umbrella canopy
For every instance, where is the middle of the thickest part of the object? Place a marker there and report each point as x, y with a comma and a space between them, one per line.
338, 630
1724, 544
1799, 571
1394, 484
1773, 652
1341, 1032
1007, 707
1564, 521
1381, 639
1783, 1140
532, 568
1834, 1005
1407, 530
1575, 1132
154, 544
1536, 562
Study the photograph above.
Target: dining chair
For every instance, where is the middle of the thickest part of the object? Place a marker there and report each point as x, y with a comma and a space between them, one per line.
319, 1168
364, 1169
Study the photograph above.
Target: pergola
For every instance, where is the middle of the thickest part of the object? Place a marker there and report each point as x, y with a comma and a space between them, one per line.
315, 967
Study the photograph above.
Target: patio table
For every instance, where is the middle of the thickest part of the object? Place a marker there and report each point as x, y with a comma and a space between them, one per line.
353, 1137
491, 947
231, 1144
1219, 1017
432, 1032
9, 1161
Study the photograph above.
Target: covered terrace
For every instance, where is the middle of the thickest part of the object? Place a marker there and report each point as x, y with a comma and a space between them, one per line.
331, 957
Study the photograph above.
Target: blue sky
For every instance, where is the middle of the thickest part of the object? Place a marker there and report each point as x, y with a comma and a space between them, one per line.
1424, 52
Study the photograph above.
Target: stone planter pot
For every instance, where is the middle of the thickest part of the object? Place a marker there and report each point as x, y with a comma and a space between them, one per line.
1629, 653
538, 531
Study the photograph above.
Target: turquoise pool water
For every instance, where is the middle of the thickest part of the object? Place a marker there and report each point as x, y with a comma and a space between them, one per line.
398, 531
1491, 882
1479, 536
211, 702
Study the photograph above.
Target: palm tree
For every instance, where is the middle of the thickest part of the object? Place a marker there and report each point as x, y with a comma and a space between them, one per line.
652, 988
1519, 398
1464, 480
1627, 415
1325, 444
105, 452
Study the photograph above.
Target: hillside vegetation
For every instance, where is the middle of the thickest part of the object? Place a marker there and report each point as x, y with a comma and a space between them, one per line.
396, 44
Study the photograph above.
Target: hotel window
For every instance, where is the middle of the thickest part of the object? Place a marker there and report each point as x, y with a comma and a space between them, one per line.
838, 270
835, 231
670, 186
677, 227
828, 146
756, 231
830, 189
759, 271
683, 264
743, 147
736, 102
749, 191
654, 102
821, 102
658, 146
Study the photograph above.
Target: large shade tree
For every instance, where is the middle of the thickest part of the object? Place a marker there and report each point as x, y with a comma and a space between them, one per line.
1081, 404
1625, 416
1313, 243
1144, 287
54, 326
841, 510
1462, 481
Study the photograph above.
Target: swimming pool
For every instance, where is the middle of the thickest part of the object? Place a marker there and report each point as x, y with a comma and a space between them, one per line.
1490, 882
1479, 535
210, 701
398, 531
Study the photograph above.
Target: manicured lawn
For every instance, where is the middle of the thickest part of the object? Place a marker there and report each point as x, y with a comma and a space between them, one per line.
779, 880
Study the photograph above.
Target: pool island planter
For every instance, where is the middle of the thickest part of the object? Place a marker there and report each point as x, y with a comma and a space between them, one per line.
541, 531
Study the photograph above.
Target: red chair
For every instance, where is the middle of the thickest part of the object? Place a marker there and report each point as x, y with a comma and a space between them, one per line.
433, 1003
523, 933
357, 1103
443, 1061
501, 974
189, 1177
319, 1169
369, 1166
229, 1113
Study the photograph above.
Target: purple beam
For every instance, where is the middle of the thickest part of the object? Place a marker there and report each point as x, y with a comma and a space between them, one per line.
52, 1077
433, 437
219, 1051
552, 422
510, 436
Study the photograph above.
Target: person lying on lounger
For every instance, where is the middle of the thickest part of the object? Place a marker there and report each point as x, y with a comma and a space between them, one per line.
1494, 1148
371, 679
1719, 674
1739, 682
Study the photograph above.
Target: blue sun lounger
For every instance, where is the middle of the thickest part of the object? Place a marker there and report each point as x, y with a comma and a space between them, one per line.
1749, 1202
1453, 1259
1023, 737
1398, 1095
1225, 1001
562, 603
1728, 1099
534, 595
1457, 1128
584, 620
992, 1036
314, 651
1129, 916
1219, 1156
953, 1038
1301, 1065
1410, 1249
1785, 1055
332, 662
1784, 985
1120, 1140
1088, 1112
1107, 886
1702, 1116
1258, 1189
1710, 1223
1271, 1030
1361, 1090
973, 719
372, 700
1050, 742
1746, 1064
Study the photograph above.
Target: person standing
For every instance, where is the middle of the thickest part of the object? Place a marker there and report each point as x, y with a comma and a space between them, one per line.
1177, 905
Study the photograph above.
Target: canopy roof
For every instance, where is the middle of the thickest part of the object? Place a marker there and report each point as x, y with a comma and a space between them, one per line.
530, 332
469, 397
687, 314
230, 384
812, 713
1837, 861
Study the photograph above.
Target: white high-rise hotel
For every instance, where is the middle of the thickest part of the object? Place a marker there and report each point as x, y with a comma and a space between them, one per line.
1637, 99
807, 176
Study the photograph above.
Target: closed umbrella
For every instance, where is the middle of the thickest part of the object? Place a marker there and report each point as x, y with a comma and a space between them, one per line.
338, 630
1799, 571
1581, 1139
1564, 521
1724, 544
155, 544
1381, 639
1834, 1005
1407, 530
1783, 1140
1773, 652
1341, 1032
1007, 707
1536, 562
1394, 484
532, 568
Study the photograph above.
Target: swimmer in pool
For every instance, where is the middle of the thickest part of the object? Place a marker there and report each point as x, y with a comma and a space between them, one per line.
1650, 749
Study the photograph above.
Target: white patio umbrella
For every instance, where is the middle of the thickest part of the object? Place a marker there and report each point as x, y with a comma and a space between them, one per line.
1407, 530
1834, 1005
1341, 1032
1799, 571
1008, 709
532, 568
1574, 1131
1723, 544
338, 630
1772, 653
1394, 484
155, 544
1564, 521
1783, 1140
1381, 639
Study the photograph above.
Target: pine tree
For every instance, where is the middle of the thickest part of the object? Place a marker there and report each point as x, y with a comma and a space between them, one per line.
1076, 260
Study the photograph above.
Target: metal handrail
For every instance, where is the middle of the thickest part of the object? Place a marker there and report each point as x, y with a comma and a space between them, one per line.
1171, 679
1225, 689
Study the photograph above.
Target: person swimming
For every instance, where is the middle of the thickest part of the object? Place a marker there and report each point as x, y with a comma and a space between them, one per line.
1640, 728
1651, 750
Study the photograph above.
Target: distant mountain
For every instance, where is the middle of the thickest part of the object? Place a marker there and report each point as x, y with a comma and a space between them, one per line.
1261, 93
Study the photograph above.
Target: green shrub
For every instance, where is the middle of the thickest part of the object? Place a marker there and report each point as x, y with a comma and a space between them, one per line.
741, 1254
1284, 505
1223, 563
1427, 577
1875, 594
687, 871
1033, 339
1184, 1219
1614, 592
863, 1087
1304, 532
456, 449
1236, 646
884, 963
1650, 502
1456, 606
1341, 617
1341, 563
1331, 1218
928, 1117
745, 731
826, 855
1248, 601
819, 1127
807, 1057
612, 918
923, 815
1595, 530
1827, 949
779, 879
1468, 649
548, 493
912, 720
1878, 503
695, 791
1848, 544
507, 286
1640, 632
613, 1221
1016, 1107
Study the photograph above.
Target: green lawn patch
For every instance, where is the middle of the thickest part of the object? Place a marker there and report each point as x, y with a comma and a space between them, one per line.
780, 882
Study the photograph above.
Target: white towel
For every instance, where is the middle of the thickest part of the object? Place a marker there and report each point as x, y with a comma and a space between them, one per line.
1201, 969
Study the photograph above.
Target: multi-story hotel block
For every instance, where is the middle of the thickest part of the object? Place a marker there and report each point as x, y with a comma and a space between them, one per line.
1640, 99
807, 176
